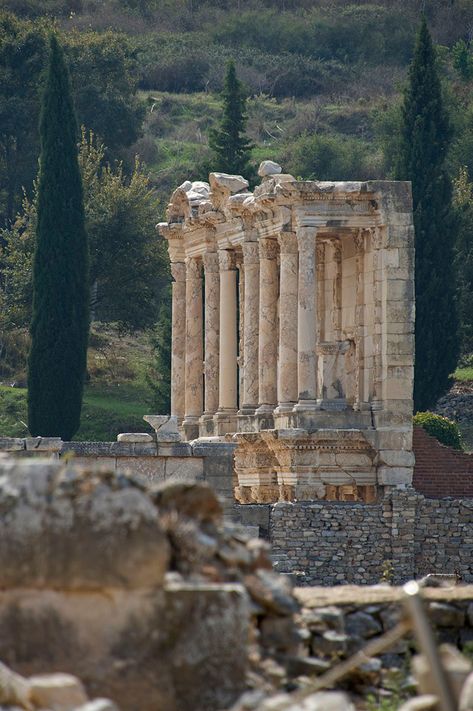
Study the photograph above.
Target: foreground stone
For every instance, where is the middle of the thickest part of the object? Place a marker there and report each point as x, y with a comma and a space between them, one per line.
58, 692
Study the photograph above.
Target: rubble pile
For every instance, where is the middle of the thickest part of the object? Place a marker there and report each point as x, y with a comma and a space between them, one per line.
146, 594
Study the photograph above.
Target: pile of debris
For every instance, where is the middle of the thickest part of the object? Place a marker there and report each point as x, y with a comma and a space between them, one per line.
190, 615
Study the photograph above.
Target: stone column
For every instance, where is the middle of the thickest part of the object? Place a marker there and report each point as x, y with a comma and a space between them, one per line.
287, 373
178, 341
251, 325
307, 320
212, 334
227, 407
194, 347
268, 331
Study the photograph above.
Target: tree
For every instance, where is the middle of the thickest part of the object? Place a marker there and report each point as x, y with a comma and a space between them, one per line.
463, 203
159, 373
127, 261
104, 83
425, 138
60, 324
231, 149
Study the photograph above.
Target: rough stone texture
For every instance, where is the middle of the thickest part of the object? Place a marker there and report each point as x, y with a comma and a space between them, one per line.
406, 535
134, 437
89, 588
58, 692
74, 530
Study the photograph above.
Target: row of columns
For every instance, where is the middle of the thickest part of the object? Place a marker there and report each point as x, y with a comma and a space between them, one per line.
288, 381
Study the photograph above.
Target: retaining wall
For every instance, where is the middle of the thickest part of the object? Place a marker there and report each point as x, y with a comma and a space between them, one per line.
403, 536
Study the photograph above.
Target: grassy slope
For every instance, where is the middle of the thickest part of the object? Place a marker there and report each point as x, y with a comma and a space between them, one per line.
116, 396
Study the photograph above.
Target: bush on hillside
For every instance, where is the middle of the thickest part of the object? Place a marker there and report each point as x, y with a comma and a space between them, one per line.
443, 429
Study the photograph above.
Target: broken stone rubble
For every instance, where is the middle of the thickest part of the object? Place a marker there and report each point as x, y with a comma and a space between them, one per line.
215, 584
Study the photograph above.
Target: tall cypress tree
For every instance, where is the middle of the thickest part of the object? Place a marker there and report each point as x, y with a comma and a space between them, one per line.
60, 322
228, 142
425, 138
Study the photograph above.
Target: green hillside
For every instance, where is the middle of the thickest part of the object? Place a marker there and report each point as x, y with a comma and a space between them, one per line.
324, 81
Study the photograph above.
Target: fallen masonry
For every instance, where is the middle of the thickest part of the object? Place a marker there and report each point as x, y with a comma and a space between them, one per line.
143, 593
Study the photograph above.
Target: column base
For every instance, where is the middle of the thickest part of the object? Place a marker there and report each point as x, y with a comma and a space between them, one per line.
283, 415
335, 404
306, 406
225, 421
207, 425
264, 418
246, 418
190, 427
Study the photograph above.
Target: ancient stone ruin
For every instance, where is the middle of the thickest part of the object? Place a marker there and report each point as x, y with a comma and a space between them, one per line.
292, 331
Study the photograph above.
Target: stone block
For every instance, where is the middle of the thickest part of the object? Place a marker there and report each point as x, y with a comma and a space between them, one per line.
43, 444
399, 344
154, 468
140, 437
268, 168
174, 449
68, 529
394, 438
400, 290
397, 458
99, 705
12, 444
186, 468
395, 476
14, 689
232, 183
212, 647
58, 692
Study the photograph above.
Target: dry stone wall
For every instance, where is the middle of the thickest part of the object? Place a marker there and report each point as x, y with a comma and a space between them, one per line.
403, 536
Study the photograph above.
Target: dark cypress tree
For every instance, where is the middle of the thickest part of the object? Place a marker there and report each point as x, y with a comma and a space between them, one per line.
60, 322
425, 138
231, 149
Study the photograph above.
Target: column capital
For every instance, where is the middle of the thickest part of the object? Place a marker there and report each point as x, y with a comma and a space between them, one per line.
211, 262
226, 260
268, 248
287, 242
306, 239
250, 252
178, 271
193, 268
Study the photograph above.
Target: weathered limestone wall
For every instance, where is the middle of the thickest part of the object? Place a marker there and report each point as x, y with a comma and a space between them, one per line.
401, 537
100, 577
211, 462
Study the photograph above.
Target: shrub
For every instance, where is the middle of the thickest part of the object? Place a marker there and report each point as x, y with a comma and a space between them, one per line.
443, 429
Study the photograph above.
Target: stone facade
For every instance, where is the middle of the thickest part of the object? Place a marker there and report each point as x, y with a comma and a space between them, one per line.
294, 331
